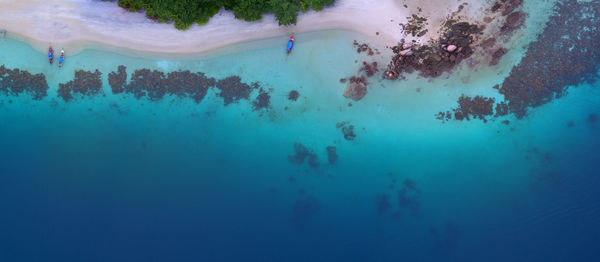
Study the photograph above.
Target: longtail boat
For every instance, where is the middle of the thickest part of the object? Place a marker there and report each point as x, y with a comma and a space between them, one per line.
50, 54
61, 59
290, 44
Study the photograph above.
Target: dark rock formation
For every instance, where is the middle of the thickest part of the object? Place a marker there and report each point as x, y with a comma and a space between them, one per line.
233, 89
565, 54
513, 22
117, 80
348, 132
188, 84
415, 26
432, 60
262, 101
501, 109
145, 82
16, 81
478, 107
369, 68
444, 116
301, 153
85, 83
331, 154
360, 48
155, 85
293, 95
497, 55
488, 43
510, 5
356, 88
409, 197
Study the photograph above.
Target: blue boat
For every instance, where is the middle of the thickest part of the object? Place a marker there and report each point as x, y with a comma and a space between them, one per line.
61, 59
50, 54
290, 44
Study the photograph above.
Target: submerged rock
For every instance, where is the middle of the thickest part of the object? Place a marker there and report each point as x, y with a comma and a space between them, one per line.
301, 153
433, 59
117, 80
262, 101
478, 107
356, 88
497, 55
293, 95
369, 68
348, 132
564, 54
406, 52
233, 89
513, 22
16, 81
331, 154
85, 83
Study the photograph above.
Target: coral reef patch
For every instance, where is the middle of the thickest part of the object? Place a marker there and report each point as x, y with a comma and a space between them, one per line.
118, 80
565, 54
85, 83
301, 153
16, 81
233, 89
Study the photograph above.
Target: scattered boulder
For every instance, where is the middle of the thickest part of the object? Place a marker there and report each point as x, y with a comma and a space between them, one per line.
233, 89
406, 52
117, 80
369, 68
356, 88
390, 74
513, 22
331, 154
348, 132
86, 83
16, 81
262, 101
562, 54
510, 5
478, 107
293, 95
497, 55
302, 153
433, 59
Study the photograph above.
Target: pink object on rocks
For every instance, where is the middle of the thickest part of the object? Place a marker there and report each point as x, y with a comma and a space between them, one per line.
451, 48
406, 52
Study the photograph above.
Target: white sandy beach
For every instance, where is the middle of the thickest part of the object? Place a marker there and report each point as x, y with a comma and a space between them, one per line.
75, 23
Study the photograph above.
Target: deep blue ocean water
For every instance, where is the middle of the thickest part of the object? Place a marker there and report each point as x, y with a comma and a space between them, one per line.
114, 178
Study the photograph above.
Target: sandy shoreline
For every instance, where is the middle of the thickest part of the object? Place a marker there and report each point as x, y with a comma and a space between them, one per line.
76, 24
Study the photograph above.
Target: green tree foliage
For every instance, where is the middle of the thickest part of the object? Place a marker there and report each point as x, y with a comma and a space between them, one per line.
250, 10
184, 13
285, 11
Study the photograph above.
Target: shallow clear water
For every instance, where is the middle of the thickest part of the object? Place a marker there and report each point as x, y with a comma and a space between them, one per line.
114, 178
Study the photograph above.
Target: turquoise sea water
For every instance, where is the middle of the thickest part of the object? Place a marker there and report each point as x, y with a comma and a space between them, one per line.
115, 178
